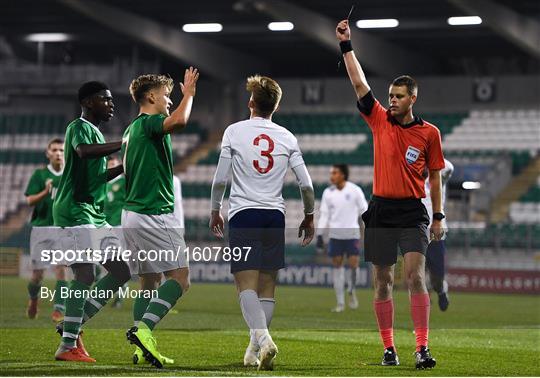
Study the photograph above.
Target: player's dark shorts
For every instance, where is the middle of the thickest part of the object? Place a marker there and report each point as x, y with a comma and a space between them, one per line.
340, 247
392, 224
435, 256
264, 231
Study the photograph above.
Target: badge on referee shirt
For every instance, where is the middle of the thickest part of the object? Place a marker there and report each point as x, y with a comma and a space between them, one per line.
412, 154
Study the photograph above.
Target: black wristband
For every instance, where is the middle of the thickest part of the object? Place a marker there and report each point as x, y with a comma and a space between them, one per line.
438, 216
345, 46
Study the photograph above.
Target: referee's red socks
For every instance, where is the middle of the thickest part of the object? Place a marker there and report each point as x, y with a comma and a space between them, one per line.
384, 311
420, 316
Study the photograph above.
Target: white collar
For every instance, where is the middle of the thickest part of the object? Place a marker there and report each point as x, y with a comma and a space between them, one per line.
116, 178
87, 121
56, 173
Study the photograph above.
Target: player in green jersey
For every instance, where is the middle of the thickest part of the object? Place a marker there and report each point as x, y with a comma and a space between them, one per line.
78, 210
116, 193
148, 220
40, 194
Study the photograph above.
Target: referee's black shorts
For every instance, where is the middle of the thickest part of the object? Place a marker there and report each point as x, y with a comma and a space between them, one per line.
392, 224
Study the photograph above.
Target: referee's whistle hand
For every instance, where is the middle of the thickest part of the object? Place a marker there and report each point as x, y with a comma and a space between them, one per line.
307, 228
437, 230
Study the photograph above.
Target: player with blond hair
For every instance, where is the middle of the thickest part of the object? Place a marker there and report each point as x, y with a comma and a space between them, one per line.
258, 152
148, 217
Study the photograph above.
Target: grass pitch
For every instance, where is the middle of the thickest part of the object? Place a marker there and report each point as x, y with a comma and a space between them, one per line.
479, 335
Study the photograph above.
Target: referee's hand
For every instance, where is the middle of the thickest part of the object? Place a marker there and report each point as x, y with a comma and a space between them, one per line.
307, 227
343, 32
436, 230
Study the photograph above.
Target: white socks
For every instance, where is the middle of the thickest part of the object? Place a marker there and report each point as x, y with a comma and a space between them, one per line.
339, 285
352, 278
254, 316
268, 305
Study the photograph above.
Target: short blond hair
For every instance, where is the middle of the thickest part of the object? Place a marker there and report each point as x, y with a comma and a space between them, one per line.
145, 83
266, 94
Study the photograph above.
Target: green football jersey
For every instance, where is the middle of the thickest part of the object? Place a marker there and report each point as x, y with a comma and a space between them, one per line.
82, 190
148, 166
116, 193
42, 215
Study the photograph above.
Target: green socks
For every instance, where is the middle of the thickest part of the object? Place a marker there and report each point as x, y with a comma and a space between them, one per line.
74, 313
105, 287
33, 290
59, 302
168, 294
139, 308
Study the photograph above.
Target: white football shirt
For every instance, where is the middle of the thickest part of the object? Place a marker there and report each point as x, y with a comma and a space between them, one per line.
178, 208
340, 210
446, 173
261, 151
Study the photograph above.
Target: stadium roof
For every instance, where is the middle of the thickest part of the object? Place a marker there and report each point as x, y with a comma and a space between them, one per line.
423, 37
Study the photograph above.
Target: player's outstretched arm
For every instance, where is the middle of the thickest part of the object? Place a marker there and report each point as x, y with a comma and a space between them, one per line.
354, 70
435, 184
307, 227
219, 184
179, 118
94, 151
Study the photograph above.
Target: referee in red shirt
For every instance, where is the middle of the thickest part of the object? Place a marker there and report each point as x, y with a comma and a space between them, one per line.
403, 146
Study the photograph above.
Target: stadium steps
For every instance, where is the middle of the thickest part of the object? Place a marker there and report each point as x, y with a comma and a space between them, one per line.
519, 186
15, 222
201, 151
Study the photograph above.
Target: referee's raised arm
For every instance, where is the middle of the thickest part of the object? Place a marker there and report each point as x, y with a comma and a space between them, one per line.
354, 70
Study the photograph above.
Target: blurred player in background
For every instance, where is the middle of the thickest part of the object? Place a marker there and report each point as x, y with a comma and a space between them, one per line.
40, 194
404, 146
148, 218
78, 210
258, 152
116, 192
178, 207
436, 251
341, 208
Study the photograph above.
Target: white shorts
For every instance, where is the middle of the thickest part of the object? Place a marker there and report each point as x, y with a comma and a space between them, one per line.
41, 239
87, 237
155, 242
120, 234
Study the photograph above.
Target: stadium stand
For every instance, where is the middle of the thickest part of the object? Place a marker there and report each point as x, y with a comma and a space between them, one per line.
22, 144
475, 138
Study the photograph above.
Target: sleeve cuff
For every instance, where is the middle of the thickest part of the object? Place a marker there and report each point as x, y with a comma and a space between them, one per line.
365, 104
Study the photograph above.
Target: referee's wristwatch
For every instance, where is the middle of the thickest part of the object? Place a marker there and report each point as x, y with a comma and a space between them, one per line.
438, 216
